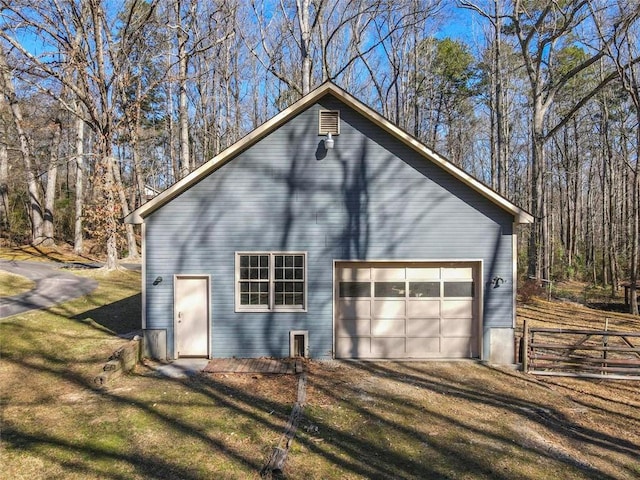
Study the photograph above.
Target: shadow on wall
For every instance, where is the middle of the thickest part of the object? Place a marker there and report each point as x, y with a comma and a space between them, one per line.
120, 317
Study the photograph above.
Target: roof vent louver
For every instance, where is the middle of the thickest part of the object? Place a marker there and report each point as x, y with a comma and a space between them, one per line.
329, 122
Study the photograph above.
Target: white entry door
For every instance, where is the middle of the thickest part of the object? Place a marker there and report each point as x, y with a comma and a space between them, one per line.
191, 316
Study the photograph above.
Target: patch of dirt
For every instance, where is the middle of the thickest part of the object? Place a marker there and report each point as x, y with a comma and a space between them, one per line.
546, 445
272, 387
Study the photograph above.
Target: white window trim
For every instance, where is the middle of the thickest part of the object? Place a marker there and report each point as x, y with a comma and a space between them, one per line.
271, 307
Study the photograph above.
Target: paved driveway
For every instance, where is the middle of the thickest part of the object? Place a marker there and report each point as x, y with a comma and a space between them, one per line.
53, 286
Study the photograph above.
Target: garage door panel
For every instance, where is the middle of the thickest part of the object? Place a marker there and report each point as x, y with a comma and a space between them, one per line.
457, 308
456, 347
387, 327
457, 327
457, 273
423, 273
388, 274
424, 289
388, 347
354, 327
389, 308
353, 308
423, 347
424, 308
423, 327
458, 289
353, 347
361, 289
352, 274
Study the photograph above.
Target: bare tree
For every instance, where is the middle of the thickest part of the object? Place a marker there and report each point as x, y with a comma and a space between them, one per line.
540, 32
183, 114
52, 174
78, 231
5, 222
624, 51
36, 213
499, 125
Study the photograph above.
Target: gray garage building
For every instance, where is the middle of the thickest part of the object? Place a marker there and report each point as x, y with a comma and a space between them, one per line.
331, 233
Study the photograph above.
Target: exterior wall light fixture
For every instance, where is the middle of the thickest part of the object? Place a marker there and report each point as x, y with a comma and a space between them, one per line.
157, 280
329, 142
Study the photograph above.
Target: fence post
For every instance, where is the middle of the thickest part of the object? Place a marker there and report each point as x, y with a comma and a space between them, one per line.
525, 342
605, 343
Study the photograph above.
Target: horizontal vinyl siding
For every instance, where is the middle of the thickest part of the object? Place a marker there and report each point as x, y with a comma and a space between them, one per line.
370, 198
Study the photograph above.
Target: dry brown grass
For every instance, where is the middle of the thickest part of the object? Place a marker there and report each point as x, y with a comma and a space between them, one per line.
410, 420
423, 420
570, 314
58, 253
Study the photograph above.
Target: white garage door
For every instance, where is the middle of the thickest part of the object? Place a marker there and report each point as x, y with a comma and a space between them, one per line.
406, 310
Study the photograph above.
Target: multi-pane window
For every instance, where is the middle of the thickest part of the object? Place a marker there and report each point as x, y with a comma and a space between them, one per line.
355, 289
254, 280
426, 289
271, 281
289, 279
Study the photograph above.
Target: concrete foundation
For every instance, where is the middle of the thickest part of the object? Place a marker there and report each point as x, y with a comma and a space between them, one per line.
499, 346
155, 344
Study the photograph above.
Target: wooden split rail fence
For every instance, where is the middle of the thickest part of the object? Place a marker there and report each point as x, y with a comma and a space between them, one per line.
581, 353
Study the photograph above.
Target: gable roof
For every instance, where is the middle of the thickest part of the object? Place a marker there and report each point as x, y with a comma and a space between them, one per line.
138, 215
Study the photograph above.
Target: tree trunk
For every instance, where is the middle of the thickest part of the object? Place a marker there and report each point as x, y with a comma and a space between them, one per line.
305, 43
537, 248
109, 198
633, 257
50, 192
135, 153
501, 150
35, 203
132, 246
105, 141
5, 222
183, 112
78, 232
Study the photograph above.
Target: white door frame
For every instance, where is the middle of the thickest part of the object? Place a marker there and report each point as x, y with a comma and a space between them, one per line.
175, 312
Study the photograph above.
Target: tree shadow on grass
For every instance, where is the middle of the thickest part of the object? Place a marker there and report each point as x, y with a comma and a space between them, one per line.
56, 449
121, 317
538, 411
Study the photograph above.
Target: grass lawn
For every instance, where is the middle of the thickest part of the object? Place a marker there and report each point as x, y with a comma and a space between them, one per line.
413, 420
56, 424
11, 284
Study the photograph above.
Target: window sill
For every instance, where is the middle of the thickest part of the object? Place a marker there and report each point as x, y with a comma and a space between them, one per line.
271, 310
